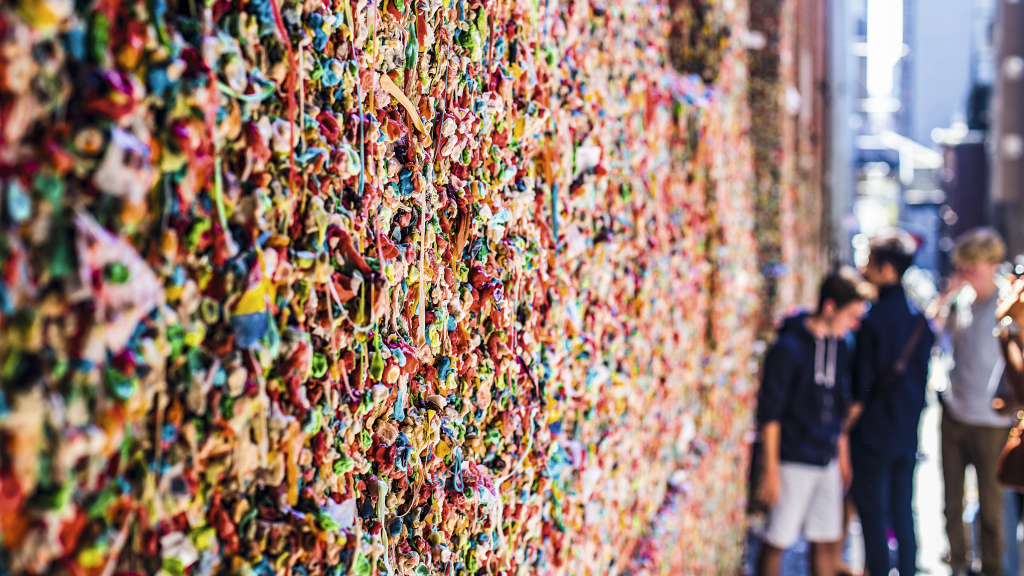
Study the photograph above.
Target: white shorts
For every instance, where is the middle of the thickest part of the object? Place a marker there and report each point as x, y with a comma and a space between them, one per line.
810, 500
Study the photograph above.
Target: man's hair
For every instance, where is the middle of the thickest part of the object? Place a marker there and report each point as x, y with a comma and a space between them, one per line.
979, 246
842, 287
897, 247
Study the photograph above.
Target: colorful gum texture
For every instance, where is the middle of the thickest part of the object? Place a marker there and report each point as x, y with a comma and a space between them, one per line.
329, 287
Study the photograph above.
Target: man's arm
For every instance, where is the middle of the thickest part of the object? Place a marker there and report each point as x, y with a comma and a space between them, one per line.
768, 490
939, 308
773, 400
843, 448
853, 410
845, 464
864, 375
852, 415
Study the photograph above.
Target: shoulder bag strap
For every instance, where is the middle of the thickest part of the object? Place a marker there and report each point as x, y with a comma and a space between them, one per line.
900, 365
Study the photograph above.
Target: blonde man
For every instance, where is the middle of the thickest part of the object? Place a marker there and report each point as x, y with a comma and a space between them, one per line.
972, 431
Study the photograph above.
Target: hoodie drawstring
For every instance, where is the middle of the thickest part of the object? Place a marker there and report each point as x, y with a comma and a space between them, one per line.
825, 358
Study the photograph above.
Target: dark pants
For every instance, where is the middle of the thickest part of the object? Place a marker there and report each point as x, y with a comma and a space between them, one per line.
964, 444
883, 488
1014, 503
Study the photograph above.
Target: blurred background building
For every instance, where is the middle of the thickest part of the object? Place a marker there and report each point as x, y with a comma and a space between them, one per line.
883, 113
916, 97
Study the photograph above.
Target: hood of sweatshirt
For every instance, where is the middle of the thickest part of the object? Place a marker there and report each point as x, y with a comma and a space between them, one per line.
826, 350
805, 388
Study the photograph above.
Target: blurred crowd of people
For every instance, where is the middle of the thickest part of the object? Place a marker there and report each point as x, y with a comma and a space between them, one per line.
840, 404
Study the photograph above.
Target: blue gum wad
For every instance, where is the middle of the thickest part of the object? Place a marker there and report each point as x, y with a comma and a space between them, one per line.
405, 185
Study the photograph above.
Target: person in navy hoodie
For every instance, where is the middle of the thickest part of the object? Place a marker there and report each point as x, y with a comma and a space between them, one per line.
889, 397
802, 403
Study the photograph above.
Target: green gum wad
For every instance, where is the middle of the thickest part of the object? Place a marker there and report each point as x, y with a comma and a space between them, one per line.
377, 360
412, 48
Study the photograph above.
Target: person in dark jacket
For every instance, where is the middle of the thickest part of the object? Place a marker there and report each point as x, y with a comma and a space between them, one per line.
887, 410
804, 395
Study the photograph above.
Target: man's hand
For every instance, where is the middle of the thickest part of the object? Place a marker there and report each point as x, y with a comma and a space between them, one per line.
939, 306
1012, 304
771, 485
768, 491
845, 465
954, 284
1005, 407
